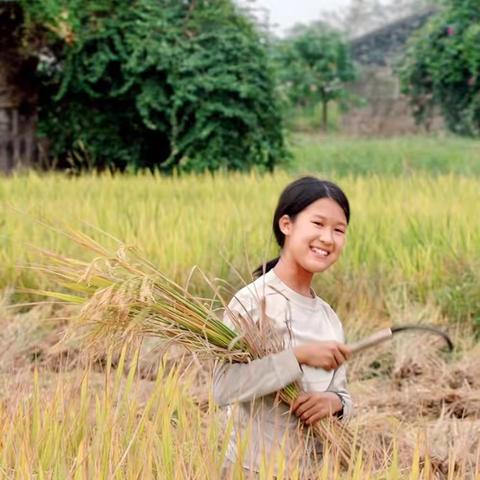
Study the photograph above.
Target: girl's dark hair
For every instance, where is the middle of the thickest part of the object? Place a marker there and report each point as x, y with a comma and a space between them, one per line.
297, 196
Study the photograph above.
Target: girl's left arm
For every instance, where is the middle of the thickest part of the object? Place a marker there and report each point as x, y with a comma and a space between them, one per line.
338, 385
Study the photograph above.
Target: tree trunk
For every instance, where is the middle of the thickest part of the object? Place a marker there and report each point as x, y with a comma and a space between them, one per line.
324, 115
18, 93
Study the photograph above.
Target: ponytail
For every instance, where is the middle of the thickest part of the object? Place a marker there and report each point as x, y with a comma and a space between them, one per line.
265, 267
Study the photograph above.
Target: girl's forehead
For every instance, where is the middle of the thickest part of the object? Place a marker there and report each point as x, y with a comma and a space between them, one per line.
326, 208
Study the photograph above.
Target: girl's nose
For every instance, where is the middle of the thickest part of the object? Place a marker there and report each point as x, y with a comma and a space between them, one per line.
326, 237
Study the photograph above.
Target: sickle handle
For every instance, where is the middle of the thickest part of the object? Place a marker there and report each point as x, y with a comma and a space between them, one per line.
372, 340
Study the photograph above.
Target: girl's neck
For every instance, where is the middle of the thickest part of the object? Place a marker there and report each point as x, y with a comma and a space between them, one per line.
294, 276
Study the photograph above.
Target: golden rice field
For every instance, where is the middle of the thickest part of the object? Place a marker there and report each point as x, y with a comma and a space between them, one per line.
410, 239
412, 256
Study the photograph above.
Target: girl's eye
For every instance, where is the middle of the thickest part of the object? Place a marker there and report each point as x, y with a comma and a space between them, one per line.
320, 224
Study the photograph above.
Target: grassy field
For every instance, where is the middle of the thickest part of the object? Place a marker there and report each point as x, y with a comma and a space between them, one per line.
405, 156
410, 237
412, 256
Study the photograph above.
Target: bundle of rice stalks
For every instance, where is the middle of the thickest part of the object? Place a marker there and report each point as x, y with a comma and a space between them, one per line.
123, 296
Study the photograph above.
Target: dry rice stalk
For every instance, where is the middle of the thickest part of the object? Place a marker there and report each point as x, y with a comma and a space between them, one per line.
124, 296
422, 389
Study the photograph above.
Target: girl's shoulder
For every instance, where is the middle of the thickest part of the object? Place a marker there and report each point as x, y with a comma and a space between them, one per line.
331, 314
248, 301
279, 297
250, 295
281, 303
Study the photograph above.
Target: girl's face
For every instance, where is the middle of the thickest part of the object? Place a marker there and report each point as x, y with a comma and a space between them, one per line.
315, 239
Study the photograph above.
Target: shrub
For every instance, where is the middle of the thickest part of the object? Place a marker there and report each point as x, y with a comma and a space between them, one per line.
163, 84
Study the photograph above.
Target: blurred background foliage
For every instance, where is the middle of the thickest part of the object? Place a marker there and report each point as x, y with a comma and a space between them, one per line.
199, 85
161, 84
314, 65
442, 66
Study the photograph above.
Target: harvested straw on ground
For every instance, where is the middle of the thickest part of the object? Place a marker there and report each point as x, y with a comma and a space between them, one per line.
123, 296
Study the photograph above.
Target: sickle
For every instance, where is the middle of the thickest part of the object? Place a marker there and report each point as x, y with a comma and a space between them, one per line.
387, 333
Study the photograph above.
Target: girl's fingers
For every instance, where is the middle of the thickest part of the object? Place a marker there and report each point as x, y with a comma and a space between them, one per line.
315, 413
306, 406
334, 360
303, 397
313, 410
339, 358
316, 417
346, 350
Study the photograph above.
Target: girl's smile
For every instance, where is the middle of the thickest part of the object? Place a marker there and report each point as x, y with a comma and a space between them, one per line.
319, 251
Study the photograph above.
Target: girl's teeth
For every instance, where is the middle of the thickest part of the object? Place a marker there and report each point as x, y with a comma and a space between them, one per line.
320, 252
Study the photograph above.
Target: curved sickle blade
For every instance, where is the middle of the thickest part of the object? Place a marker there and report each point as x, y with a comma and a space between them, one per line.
426, 328
387, 333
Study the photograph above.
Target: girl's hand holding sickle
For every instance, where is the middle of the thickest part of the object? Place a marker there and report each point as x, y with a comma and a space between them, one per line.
326, 355
313, 406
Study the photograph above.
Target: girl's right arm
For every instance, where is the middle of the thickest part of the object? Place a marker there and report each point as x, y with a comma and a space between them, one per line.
242, 382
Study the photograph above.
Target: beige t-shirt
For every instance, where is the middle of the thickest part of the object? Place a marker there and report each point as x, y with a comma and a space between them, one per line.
248, 390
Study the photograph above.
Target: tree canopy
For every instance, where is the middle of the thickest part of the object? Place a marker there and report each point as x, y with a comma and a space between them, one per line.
314, 65
442, 67
164, 84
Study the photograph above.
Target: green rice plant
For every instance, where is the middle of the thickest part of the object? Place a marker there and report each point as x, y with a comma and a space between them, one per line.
415, 234
337, 155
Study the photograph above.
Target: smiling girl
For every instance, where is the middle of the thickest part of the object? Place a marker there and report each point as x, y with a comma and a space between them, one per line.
310, 225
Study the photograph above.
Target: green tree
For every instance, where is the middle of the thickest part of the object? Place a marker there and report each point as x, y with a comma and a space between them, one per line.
163, 84
441, 67
314, 63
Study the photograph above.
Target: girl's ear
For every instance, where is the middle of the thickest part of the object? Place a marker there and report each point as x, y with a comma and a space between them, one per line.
285, 224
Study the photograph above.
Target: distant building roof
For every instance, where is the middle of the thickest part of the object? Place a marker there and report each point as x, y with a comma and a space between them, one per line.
379, 47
